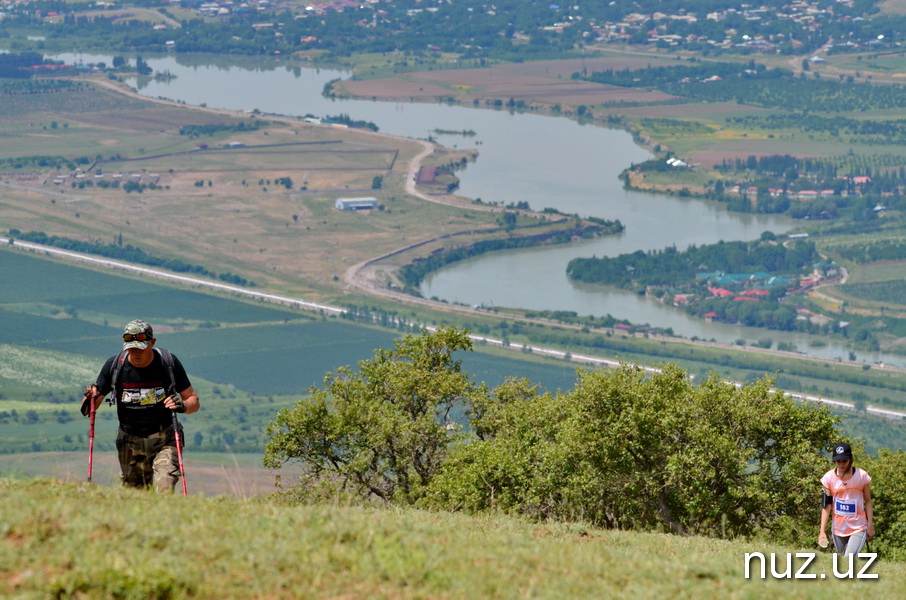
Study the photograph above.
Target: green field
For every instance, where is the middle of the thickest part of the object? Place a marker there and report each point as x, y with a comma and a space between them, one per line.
252, 346
247, 360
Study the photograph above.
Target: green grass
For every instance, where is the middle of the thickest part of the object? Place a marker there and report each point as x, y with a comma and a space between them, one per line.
882, 272
885, 65
677, 179
250, 158
882, 292
67, 540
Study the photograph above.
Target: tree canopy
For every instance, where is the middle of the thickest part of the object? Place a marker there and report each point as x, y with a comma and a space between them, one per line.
626, 448
630, 448
382, 431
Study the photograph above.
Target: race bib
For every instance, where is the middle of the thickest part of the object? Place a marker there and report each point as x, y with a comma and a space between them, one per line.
144, 396
845, 508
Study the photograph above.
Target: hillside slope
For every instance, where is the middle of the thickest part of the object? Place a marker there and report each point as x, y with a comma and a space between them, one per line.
65, 540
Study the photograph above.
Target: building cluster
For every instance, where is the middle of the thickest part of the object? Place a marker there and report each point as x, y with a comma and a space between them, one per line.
80, 176
806, 16
730, 28
227, 7
755, 287
853, 187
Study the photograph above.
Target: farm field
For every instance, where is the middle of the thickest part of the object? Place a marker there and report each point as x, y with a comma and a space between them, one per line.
222, 335
884, 271
242, 194
547, 86
247, 360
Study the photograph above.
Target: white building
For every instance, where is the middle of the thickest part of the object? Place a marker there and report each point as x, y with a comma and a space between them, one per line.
356, 203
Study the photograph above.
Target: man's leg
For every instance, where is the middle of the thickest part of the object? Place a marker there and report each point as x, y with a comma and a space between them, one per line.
135, 469
166, 468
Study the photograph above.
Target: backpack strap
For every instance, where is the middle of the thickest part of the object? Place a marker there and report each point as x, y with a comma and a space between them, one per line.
168, 361
115, 369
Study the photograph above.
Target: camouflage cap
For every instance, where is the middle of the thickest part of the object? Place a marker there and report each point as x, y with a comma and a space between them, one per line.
134, 328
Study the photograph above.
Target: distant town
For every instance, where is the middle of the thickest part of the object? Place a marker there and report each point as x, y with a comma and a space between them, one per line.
476, 26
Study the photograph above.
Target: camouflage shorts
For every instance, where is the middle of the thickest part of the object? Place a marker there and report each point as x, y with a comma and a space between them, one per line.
149, 460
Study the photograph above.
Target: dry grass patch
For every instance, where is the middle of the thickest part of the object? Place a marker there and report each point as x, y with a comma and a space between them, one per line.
545, 81
394, 87
225, 208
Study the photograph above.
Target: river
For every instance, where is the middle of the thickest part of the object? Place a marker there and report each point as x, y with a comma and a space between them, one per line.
542, 160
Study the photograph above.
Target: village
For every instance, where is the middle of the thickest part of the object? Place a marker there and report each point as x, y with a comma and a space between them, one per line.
790, 28
757, 287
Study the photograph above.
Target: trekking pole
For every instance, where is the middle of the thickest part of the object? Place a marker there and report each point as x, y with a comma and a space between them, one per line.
182, 470
91, 414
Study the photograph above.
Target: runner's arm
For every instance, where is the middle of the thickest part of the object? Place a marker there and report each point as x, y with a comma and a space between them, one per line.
825, 515
869, 510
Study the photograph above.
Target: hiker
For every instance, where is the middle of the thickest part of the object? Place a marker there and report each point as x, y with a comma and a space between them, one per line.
847, 493
147, 384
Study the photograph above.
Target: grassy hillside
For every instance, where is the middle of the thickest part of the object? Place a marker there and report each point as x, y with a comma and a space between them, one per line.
66, 540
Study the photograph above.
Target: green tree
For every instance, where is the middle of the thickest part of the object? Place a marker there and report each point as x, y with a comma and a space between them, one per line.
383, 431
142, 67
632, 449
888, 498
627, 447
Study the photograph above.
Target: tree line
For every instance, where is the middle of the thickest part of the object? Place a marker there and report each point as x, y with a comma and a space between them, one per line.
413, 273
755, 85
674, 268
128, 253
43, 86
212, 128
19, 65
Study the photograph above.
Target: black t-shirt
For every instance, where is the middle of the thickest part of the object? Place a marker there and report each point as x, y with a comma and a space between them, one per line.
140, 393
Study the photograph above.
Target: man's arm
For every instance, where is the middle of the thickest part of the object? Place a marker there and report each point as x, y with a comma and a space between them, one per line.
91, 395
189, 398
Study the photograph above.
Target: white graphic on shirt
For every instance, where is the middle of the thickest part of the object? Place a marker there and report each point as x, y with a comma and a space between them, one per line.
144, 396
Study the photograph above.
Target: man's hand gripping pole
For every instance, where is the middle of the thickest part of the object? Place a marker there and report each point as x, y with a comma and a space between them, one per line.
89, 409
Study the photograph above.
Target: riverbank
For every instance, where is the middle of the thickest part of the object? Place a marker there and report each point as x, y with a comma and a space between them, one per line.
323, 257
701, 133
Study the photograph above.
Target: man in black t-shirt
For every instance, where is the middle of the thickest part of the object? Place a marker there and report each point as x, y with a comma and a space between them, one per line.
145, 395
